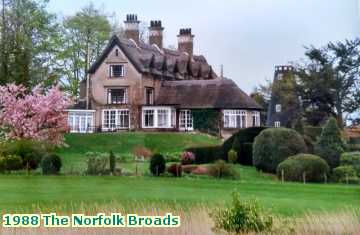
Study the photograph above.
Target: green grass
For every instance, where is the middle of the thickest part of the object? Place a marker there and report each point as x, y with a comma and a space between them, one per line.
24, 192
121, 144
74, 193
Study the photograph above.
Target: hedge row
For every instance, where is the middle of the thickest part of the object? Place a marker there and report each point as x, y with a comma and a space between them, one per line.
207, 154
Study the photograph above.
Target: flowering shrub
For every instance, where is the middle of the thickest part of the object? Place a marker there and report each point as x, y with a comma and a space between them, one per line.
187, 158
36, 115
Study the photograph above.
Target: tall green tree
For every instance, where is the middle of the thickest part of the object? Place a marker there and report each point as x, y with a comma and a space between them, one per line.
84, 36
330, 145
329, 79
29, 40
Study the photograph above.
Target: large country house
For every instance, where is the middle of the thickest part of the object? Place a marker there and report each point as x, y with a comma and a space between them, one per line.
144, 86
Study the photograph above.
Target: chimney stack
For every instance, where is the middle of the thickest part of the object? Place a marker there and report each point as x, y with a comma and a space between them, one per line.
185, 41
156, 33
132, 27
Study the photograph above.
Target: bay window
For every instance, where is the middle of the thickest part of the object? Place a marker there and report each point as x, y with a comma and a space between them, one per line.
235, 119
157, 117
113, 119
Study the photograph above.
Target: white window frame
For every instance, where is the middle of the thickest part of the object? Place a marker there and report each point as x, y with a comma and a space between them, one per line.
81, 121
124, 101
277, 124
278, 108
255, 118
122, 70
151, 100
235, 118
186, 120
159, 112
116, 117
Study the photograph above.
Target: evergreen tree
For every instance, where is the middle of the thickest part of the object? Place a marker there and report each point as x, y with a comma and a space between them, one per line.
330, 145
112, 162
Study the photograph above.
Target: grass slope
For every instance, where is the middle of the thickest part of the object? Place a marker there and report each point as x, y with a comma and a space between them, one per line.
73, 156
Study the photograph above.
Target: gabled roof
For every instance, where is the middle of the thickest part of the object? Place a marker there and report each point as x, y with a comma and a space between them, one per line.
169, 64
220, 93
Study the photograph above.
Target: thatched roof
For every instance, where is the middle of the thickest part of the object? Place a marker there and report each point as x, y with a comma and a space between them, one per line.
216, 93
165, 63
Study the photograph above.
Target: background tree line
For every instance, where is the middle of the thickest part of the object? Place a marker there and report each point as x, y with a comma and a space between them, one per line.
40, 47
327, 83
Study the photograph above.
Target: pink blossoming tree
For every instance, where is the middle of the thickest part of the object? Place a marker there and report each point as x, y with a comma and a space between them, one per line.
34, 114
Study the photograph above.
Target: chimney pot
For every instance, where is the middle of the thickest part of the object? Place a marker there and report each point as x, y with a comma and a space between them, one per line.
155, 33
132, 27
185, 41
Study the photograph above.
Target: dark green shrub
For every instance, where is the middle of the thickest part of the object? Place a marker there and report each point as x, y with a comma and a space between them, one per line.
206, 120
51, 164
96, 163
315, 168
220, 169
274, 145
351, 159
175, 170
242, 217
353, 147
299, 127
241, 142
344, 174
10, 163
232, 156
206, 154
30, 151
330, 145
112, 162
157, 164
313, 132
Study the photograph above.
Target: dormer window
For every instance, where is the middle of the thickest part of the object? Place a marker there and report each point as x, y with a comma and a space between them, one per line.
117, 70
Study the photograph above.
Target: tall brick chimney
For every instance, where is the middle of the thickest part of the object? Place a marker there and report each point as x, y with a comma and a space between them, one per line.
185, 41
132, 27
156, 33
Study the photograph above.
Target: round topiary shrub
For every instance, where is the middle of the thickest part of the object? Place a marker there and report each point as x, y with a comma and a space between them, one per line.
175, 169
157, 164
294, 168
345, 174
274, 145
51, 164
351, 159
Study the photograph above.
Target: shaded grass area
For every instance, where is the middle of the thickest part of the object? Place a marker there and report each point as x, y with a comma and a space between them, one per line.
70, 193
122, 144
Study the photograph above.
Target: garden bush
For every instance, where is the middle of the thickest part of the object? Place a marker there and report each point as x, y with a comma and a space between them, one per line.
232, 156
96, 163
351, 159
157, 164
10, 163
51, 164
330, 145
187, 158
175, 169
206, 154
242, 142
274, 145
242, 217
345, 174
30, 151
112, 162
220, 169
315, 168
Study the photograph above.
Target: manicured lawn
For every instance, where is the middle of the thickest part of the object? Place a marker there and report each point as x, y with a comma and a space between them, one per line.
74, 193
27, 192
122, 144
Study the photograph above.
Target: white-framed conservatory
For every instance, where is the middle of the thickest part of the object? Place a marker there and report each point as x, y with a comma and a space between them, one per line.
81, 121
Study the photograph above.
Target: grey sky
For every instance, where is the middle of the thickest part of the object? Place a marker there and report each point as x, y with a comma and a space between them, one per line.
249, 37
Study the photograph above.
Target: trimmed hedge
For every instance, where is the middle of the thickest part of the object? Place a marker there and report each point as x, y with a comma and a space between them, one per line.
51, 164
207, 154
351, 159
274, 145
10, 163
242, 142
315, 168
345, 174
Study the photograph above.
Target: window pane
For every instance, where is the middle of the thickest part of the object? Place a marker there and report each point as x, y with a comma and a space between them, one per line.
149, 118
118, 96
162, 118
117, 70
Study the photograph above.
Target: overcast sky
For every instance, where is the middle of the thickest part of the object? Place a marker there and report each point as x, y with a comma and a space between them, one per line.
249, 37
